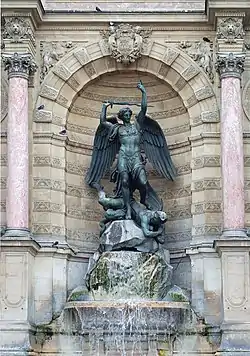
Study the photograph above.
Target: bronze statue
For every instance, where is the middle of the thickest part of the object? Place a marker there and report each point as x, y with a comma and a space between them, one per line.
126, 141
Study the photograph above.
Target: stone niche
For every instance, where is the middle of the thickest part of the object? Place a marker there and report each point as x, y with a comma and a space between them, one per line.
165, 106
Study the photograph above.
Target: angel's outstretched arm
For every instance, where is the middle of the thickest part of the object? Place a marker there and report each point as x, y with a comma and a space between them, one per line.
103, 117
144, 103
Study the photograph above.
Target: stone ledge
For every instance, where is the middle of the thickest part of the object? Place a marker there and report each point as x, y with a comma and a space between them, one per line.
27, 245
226, 244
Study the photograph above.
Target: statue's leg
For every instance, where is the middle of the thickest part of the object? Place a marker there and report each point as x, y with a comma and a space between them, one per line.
143, 186
126, 194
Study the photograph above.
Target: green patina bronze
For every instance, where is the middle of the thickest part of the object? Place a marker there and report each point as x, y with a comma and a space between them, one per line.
132, 143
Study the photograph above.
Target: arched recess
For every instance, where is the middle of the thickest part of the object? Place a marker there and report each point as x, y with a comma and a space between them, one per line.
61, 87
81, 65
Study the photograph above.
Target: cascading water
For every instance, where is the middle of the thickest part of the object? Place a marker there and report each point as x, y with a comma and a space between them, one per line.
126, 312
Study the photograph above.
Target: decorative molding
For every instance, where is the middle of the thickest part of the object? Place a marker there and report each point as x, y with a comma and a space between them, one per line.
4, 97
19, 65
87, 131
3, 182
230, 64
132, 99
46, 206
80, 129
184, 169
230, 29
125, 42
43, 116
206, 207
170, 56
247, 161
2, 205
206, 161
202, 53
206, 184
51, 52
48, 229
178, 236
47, 183
247, 184
90, 69
182, 192
207, 229
3, 160
204, 93
49, 92
246, 99
82, 235
179, 213
44, 161
77, 212
18, 29
206, 117
80, 191
76, 168
85, 111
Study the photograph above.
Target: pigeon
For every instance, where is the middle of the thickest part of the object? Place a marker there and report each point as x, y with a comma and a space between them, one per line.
41, 107
63, 132
206, 39
98, 9
55, 243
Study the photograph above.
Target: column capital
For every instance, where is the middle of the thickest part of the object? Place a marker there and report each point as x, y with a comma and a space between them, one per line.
19, 65
230, 64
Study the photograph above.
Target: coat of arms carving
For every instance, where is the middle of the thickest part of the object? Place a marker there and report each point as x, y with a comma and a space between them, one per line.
126, 42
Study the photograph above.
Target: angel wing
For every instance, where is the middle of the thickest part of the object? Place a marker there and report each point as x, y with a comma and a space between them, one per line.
156, 148
104, 151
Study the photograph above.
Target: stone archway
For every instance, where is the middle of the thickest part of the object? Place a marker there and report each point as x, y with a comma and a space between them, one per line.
82, 65
61, 87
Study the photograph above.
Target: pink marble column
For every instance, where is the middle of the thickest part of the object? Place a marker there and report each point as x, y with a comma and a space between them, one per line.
19, 68
230, 68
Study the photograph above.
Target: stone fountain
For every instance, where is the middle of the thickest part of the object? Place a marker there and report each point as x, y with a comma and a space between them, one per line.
126, 305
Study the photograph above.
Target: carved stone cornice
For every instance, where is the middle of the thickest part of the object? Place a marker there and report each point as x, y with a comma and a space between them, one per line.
19, 65
230, 64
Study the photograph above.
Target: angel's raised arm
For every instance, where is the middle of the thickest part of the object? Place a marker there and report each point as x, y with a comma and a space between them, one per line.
144, 103
103, 116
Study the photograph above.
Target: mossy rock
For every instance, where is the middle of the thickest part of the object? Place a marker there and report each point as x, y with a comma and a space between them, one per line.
130, 274
176, 294
79, 294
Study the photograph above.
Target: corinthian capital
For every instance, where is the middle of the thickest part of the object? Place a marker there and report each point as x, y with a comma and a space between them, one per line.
230, 64
19, 65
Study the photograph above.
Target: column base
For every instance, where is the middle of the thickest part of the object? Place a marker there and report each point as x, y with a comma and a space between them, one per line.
235, 340
234, 233
17, 339
21, 233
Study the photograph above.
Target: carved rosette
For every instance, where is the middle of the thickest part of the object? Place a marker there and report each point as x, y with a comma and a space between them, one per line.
230, 29
19, 65
230, 64
17, 29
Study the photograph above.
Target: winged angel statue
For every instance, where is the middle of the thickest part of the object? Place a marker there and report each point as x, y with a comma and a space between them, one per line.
129, 142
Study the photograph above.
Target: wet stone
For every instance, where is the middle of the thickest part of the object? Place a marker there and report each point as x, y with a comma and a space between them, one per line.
130, 275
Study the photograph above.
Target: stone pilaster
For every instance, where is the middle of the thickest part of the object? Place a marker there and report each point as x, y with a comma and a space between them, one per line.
230, 67
233, 246
19, 67
235, 261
